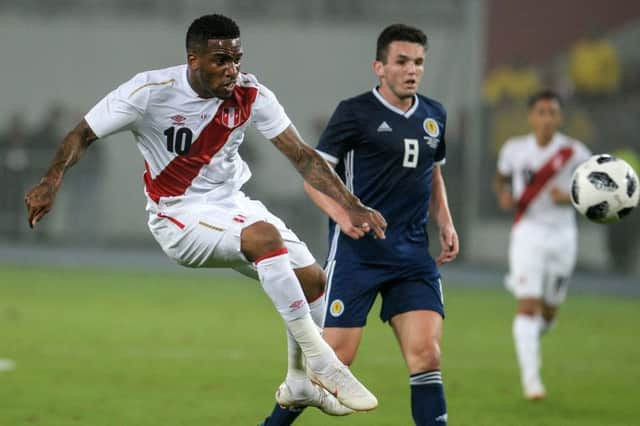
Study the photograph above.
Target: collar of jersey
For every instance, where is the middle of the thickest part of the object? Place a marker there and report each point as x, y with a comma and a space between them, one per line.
397, 110
555, 140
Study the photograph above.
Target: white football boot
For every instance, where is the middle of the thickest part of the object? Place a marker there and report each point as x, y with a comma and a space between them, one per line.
533, 389
310, 395
342, 384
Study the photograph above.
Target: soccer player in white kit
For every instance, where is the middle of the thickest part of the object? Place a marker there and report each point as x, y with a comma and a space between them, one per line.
534, 178
188, 122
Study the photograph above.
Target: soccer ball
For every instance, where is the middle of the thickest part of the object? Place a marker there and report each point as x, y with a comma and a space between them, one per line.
604, 189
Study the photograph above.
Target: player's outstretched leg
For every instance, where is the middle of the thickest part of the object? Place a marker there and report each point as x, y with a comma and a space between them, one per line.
262, 244
297, 392
526, 335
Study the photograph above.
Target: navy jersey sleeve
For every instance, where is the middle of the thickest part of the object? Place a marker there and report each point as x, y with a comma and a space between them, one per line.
340, 135
441, 150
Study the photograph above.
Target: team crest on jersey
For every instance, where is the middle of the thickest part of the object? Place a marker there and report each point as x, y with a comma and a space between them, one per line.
336, 308
230, 117
431, 127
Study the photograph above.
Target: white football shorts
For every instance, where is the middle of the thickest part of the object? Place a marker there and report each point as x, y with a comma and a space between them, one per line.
199, 233
541, 261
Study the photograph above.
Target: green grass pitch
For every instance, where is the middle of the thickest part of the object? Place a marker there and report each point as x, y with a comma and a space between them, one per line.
95, 347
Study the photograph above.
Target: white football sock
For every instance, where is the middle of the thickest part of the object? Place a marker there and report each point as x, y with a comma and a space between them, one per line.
295, 367
295, 360
282, 286
317, 308
526, 335
317, 352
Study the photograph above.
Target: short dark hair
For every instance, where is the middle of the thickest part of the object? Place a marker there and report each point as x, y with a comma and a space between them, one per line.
398, 32
209, 27
544, 95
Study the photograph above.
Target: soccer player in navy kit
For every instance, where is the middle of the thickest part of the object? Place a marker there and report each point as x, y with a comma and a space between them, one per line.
387, 145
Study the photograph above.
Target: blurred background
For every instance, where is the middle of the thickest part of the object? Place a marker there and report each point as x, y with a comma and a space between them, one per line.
485, 58
99, 327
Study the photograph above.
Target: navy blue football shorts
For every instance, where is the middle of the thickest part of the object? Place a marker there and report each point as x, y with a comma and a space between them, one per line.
352, 290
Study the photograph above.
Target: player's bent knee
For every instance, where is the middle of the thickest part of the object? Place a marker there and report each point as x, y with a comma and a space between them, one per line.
529, 307
259, 239
425, 358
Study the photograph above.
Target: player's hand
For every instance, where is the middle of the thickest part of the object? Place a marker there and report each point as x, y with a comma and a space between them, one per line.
40, 200
448, 243
559, 196
505, 200
360, 220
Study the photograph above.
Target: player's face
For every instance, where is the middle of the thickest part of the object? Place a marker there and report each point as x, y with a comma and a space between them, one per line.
214, 70
402, 72
545, 118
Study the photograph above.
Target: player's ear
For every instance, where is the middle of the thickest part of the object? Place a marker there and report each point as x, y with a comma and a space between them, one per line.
378, 68
193, 61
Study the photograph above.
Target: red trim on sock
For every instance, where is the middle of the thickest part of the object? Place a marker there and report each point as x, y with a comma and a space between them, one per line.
317, 298
277, 252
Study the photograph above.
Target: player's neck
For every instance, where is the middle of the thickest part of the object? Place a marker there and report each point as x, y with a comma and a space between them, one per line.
543, 140
403, 104
196, 87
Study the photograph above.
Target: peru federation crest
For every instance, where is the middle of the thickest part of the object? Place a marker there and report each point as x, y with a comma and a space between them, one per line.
230, 117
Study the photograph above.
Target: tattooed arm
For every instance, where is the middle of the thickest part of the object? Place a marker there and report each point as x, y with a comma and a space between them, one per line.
40, 199
319, 175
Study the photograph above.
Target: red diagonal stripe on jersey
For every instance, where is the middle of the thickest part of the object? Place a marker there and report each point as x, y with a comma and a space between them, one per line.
177, 176
540, 179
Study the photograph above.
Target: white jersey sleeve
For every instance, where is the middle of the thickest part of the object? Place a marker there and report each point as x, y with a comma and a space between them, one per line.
582, 153
269, 116
121, 108
505, 160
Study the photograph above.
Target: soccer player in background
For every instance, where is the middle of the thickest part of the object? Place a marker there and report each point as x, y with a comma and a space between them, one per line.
388, 145
534, 178
188, 122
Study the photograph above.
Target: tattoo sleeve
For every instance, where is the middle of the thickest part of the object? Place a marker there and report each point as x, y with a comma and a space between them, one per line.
69, 152
313, 168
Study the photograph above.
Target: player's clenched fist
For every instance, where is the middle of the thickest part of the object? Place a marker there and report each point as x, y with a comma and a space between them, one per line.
39, 201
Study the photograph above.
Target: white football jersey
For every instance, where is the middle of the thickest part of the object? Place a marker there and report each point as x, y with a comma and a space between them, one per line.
535, 170
189, 144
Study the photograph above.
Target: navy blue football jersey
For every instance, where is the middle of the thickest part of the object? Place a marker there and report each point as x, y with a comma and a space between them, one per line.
386, 158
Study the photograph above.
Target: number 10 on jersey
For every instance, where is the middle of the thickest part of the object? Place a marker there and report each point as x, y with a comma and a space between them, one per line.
180, 141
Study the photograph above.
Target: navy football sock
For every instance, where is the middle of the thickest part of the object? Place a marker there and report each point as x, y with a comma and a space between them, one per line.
282, 416
428, 405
